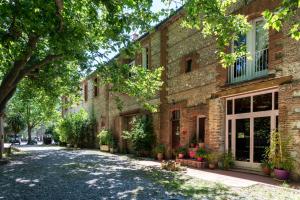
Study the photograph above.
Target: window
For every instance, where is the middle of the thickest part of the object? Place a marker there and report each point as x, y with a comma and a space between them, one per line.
256, 41
249, 120
85, 92
201, 129
188, 67
145, 57
131, 64
229, 107
176, 115
242, 105
262, 102
96, 89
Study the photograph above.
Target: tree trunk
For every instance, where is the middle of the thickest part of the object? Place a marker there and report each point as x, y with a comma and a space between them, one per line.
29, 129
1, 135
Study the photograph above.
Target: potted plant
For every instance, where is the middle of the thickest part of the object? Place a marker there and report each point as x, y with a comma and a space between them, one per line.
212, 159
200, 154
193, 143
113, 145
181, 151
104, 140
202, 144
280, 156
266, 167
192, 153
159, 150
227, 161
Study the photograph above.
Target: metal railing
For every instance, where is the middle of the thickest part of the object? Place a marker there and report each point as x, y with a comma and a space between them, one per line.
245, 69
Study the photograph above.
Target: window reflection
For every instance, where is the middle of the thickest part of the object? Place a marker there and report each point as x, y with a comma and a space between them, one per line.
242, 105
262, 102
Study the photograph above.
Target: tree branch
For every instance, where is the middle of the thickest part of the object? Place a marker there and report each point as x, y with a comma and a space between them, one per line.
59, 7
8, 82
6, 99
32, 67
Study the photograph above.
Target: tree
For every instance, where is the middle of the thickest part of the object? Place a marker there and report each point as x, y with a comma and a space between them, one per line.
15, 123
35, 106
43, 38
217, 19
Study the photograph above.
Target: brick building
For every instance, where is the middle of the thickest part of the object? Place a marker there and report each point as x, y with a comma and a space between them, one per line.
230, 109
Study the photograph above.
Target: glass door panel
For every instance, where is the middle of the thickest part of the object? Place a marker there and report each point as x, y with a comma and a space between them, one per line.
262, 128
242, 140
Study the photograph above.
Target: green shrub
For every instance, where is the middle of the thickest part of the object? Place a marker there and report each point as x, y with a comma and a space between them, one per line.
227, 160
77, 129
278, 153
141, 135
105, 138
160, 148
201, 153
182, 150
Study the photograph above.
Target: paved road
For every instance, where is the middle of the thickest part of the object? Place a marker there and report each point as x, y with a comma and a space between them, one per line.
54, 173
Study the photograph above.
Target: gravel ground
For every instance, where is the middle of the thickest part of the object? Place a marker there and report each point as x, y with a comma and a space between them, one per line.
82, 174
55, 173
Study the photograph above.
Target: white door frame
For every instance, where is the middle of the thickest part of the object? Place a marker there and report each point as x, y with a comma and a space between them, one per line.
251, 115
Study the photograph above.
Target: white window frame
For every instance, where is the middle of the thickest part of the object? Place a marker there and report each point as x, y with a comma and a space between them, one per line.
145, 57
251, 115
250, 64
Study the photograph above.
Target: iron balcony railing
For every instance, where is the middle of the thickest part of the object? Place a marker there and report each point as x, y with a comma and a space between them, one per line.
245, 69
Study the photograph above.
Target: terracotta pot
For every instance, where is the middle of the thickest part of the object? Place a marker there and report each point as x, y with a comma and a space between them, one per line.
200, 159
281, 174
212, 166
266, 170
192, 154
180, 155
202, 145
160, 156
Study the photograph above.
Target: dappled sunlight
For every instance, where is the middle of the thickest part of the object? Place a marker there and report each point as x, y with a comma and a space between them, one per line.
84, 174
80, 174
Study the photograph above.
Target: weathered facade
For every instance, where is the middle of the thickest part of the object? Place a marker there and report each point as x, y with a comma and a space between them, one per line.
232, 109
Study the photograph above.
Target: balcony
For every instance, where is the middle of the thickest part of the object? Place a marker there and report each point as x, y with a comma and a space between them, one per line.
244, 69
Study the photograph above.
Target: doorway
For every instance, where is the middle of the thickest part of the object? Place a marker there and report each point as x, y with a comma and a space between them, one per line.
250, 119
201, 129
175, 128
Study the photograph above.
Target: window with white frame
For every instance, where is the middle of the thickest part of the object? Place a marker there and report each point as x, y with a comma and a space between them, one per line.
145, 57
131, 64
257, 44
249, 120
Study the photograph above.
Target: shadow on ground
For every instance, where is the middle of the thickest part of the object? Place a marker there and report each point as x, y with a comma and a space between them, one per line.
65, 174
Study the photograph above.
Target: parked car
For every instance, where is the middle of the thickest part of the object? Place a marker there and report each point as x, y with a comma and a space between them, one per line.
15, 140
33, 141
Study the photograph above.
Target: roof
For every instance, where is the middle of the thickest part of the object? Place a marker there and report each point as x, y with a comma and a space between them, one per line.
156, 27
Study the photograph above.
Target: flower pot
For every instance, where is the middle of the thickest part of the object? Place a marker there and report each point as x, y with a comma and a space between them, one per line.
180, 155
104, 148
281, 174
192, 154
266, 170
200, 159
202, 145
212, 166
160, 156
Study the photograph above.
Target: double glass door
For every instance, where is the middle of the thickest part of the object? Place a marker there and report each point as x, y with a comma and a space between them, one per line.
250, 120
